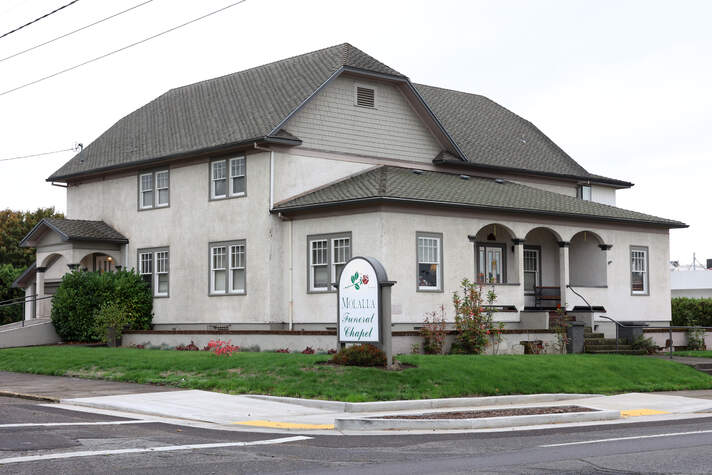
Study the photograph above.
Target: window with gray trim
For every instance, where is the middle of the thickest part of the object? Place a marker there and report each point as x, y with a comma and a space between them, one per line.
228, 178
491, 265
326, 255
153, 189
639, 271
429, 261
583, 192
228, 268
153, 266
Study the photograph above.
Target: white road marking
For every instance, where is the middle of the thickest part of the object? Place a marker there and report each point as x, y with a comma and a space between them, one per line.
61, 424
167, 448
672, 434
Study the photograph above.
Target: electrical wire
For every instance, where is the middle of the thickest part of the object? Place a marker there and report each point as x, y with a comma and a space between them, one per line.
39, 45
38, 19
106, 55
38, 154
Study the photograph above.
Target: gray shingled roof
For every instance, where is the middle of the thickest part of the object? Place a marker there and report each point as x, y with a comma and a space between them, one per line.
394, 184
232, 109
78, 230
252, 105
491, 135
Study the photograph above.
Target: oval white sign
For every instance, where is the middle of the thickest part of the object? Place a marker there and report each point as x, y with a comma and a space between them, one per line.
359, 318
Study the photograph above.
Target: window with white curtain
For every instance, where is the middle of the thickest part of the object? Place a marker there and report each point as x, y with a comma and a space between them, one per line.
429, 247
153, 189
228, 178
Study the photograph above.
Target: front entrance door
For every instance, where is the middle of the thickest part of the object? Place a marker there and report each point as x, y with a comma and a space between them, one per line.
532, 274
104, 264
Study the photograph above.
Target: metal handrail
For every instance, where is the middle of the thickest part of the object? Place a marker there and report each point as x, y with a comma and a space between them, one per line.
18, 298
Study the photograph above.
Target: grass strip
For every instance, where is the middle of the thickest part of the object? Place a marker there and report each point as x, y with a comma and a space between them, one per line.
299, 375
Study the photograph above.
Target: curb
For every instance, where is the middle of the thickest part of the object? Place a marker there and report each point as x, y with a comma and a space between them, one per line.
416, 404
365, 424
34, 397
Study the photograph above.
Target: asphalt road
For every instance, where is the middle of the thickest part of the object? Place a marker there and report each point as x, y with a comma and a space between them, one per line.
94, 443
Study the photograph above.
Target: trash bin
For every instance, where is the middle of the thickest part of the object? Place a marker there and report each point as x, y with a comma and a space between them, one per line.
575, 337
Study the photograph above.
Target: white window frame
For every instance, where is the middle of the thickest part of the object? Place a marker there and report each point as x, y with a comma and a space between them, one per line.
640, 264
432, 259
213, 180
153, 254
157, 189
580, 192
481, 247
234, 193
141, 191
537, 272
330, 259
228, 267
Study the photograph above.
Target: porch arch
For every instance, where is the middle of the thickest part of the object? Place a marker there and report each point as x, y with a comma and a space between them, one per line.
588, 261
86, 258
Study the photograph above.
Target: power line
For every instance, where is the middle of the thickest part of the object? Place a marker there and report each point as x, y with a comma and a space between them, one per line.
38, 19
74, 31
73, 149
76, 66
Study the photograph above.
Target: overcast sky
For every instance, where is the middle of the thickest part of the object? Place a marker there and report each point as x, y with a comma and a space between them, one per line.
625, 87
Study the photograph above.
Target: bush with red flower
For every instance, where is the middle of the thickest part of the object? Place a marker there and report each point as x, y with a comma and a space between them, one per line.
473, 321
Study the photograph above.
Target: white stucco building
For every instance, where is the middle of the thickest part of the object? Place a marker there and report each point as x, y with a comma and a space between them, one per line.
239, 198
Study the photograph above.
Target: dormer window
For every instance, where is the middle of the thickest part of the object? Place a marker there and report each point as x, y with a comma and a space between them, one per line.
583, 192
365, 96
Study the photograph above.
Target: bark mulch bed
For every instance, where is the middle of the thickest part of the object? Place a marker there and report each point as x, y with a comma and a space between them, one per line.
516, 411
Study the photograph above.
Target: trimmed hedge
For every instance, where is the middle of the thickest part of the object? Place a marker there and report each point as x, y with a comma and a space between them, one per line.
81, 295
692, 312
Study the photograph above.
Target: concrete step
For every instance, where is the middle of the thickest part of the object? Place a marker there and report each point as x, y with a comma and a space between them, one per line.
606, 347
593, 335
621, 352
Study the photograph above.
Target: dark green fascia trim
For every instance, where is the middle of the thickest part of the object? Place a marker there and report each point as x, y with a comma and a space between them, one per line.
227, 148
384, 199
620, 183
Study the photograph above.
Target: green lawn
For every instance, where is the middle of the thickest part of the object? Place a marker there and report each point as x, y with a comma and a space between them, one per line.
298, 375
697, 353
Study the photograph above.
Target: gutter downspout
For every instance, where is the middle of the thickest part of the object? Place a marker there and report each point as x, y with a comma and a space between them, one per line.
291, 269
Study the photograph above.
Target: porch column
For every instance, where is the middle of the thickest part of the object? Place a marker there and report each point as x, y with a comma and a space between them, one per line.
40, 292
519, 255
563, 271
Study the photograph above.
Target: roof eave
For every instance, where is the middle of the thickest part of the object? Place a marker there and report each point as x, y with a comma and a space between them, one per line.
16, 284
268, 139
603, 181
389, 199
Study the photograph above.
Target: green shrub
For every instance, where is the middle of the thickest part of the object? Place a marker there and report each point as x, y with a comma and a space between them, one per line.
81, 295
691, 312
111, 315
695, 339
473, 323
643, 343
360, 355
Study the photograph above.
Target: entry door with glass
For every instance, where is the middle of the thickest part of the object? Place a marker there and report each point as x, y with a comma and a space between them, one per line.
104, 264
490, 265
532, 274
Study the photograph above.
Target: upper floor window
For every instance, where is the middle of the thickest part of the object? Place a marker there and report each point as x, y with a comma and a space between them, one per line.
584, 192
429, 261
228, 178
639, 271
227, 268
153, 266
327, 255
153, 189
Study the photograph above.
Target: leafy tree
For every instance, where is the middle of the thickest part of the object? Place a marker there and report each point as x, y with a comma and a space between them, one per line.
10, 313
14, 225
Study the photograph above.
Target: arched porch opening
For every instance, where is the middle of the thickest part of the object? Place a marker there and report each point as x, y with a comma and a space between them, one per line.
587, 260
542, 270
496, 261
98, 262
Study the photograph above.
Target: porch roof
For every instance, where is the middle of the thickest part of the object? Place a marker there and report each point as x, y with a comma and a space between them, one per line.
74, 230
396, 184
24, 279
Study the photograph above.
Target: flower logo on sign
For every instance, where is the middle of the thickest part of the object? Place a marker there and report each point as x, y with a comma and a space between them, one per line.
357, 281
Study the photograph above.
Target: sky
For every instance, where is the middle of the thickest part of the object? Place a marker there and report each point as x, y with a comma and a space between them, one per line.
624, 87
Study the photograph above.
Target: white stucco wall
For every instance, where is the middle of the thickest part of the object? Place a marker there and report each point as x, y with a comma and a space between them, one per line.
587, 261
332, 122
603, 194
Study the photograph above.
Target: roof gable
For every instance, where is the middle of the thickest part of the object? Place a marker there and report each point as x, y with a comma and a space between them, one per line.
73, 230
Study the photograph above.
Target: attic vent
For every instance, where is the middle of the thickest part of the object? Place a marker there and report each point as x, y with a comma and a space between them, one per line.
365, 97
418, 172
464, 177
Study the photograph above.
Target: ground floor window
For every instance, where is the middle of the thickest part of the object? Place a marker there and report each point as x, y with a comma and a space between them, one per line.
532, 273
429, 261
490, 264
327, 255
153, 266
227, 268
639, 271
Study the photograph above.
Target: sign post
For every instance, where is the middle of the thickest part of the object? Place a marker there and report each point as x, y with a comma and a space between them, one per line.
364, 305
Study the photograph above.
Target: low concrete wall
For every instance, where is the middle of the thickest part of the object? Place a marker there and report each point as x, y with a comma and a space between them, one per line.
33, 334
679, 337
320, 341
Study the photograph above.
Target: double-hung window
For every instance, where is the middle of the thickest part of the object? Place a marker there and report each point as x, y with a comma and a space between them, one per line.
583, 192
532, 276
153, 266
639, 271
227, 268
429, 261
490, 263
228, 178
153, 189
327, 255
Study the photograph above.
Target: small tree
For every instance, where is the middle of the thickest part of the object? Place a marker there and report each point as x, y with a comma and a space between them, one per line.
434, 332
473, 322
